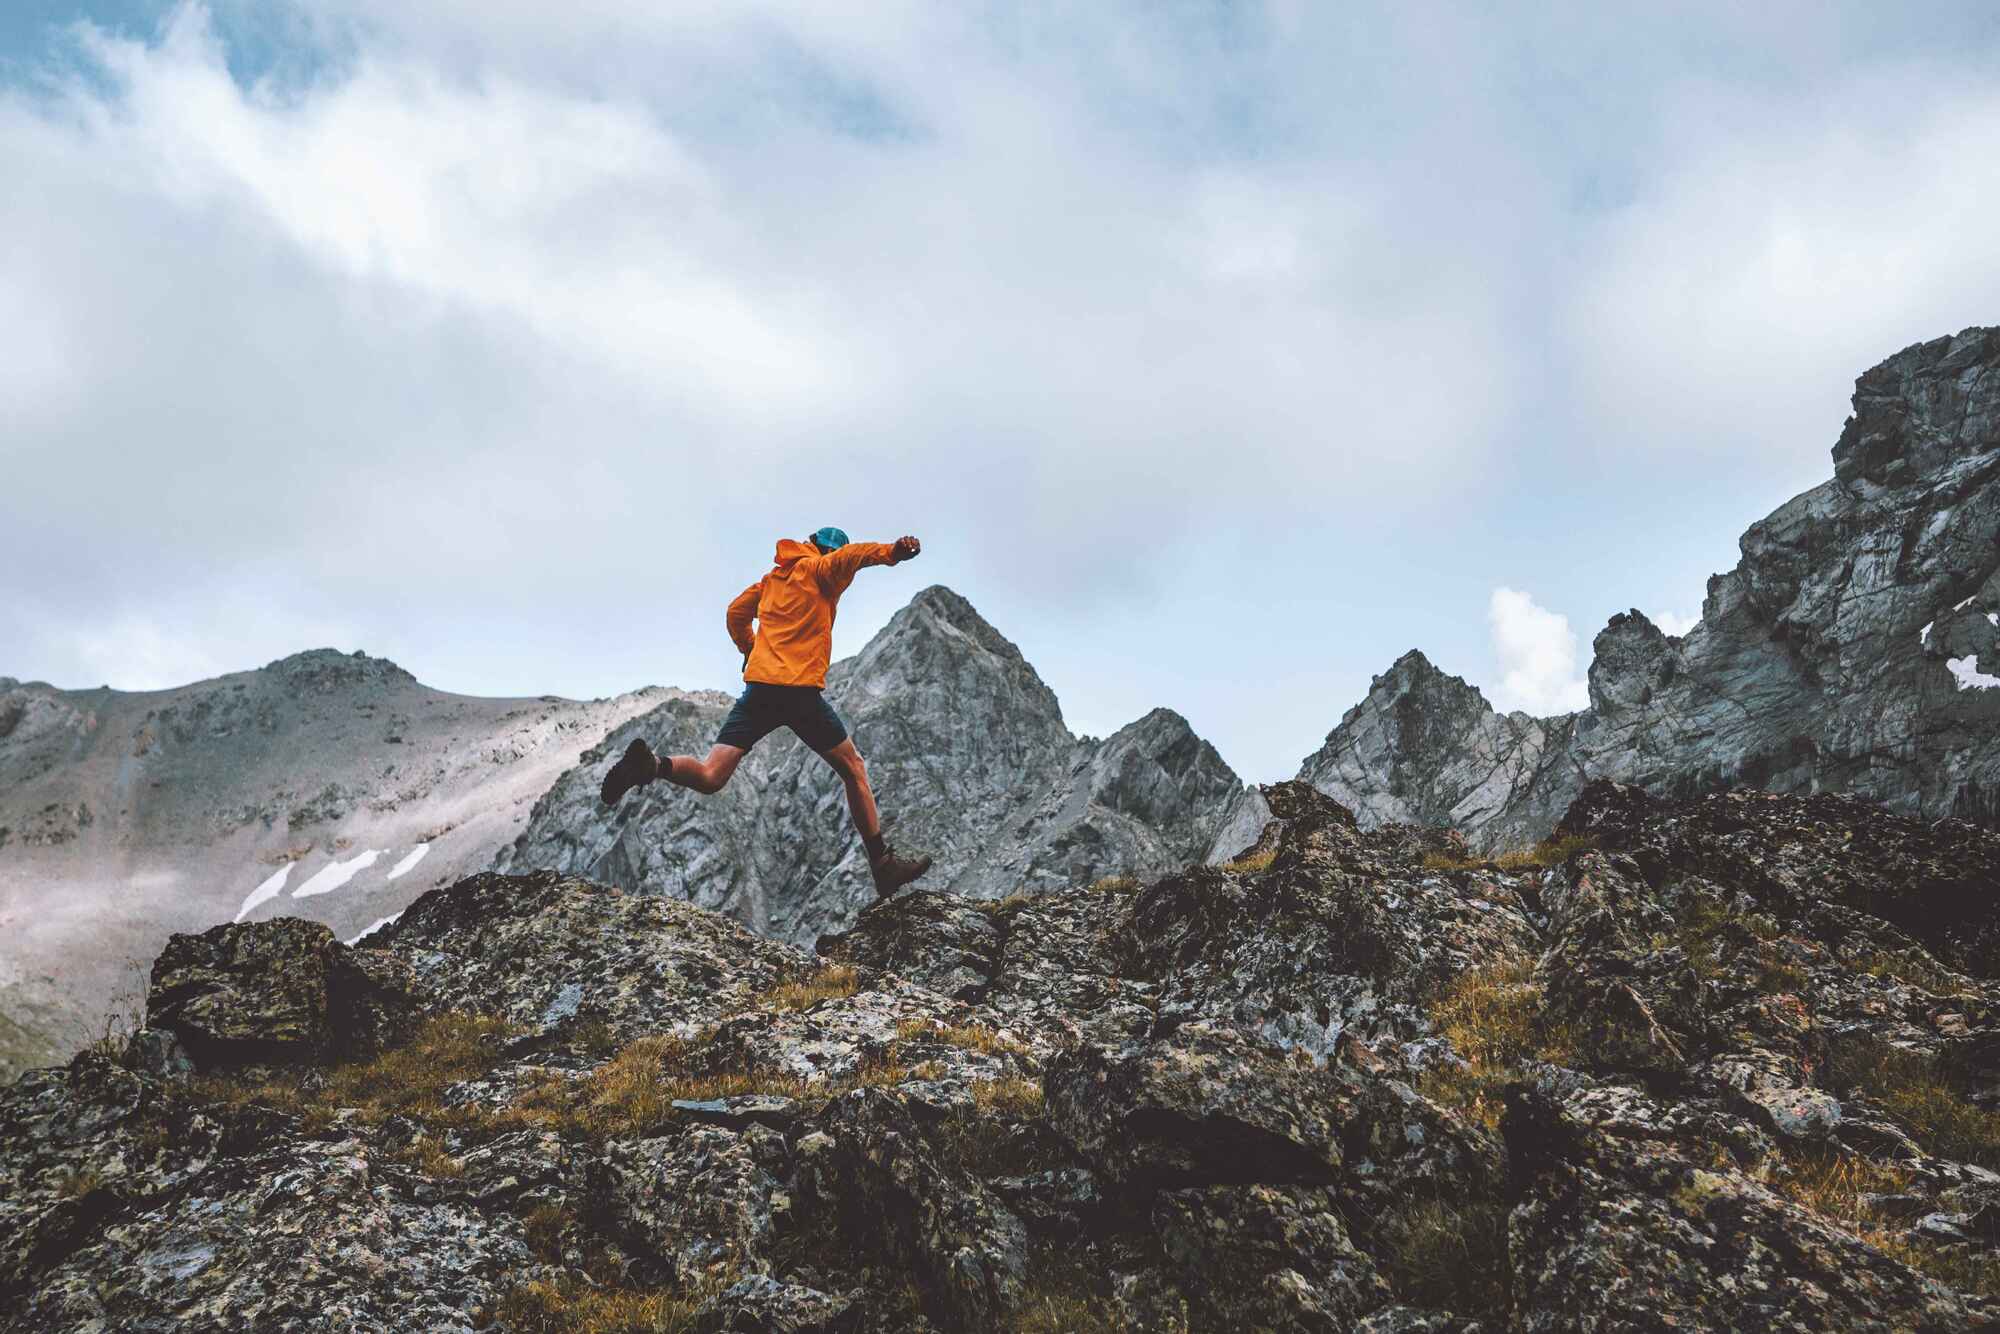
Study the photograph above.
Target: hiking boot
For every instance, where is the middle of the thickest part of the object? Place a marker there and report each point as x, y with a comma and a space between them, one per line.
892, 872
635, 768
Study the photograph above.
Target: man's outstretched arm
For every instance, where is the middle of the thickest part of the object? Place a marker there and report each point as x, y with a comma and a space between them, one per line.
837, 569
741, 612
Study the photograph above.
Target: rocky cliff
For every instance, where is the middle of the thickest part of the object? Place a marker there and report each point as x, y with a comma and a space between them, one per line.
970, 760
327, 785
1727, 1064
1842, 654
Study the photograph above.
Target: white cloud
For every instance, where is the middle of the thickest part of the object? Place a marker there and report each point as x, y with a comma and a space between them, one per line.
1781, 246
1536, 650
1675, 623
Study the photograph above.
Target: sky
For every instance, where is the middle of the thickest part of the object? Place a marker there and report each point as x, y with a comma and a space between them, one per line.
1218, 353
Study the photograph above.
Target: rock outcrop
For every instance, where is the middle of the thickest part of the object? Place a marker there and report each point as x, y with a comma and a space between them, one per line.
969, 758
326, 785
1842, 654
1730, 1063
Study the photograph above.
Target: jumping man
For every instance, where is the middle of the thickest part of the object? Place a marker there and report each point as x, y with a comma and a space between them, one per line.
784, 675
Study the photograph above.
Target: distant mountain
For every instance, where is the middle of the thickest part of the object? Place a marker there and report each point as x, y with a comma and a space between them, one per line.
971, 763
1844, 653
326, 785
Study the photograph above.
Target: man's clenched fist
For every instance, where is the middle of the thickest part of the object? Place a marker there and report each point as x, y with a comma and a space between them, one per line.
906, 547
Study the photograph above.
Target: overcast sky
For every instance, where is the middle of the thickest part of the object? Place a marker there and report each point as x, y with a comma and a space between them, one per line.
1218, 353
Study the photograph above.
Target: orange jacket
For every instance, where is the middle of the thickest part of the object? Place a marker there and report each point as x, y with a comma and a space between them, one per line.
793, 607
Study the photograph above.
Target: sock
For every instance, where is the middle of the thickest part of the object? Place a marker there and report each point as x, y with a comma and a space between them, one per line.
878, 847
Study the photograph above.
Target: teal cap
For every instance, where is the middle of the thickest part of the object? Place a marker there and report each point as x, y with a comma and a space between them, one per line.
829, 539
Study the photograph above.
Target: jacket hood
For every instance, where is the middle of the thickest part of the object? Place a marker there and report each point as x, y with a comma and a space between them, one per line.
791, 551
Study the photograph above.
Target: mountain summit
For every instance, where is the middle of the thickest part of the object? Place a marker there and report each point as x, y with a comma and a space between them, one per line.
1853, 649
970, 759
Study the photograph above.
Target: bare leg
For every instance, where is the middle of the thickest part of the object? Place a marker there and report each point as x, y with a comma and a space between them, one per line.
846, 762
708, 776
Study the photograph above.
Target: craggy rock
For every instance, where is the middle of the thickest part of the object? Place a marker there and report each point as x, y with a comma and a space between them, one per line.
1255, 1095
301, 1236
1615, 1233
867, 1160
1266, 1257
553, 953
762, 1305
250, 994
1852, 649
699, 1200
937, 940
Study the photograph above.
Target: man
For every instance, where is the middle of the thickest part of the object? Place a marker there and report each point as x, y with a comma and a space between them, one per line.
784, 674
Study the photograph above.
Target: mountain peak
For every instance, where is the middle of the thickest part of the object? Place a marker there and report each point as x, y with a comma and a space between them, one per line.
330, 669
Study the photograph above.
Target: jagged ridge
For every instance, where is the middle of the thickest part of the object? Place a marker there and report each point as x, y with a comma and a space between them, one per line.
1841, 654
970, 760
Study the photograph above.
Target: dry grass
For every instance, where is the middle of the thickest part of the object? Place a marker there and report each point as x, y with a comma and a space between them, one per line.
1252, 863
1836, 1186
1008, 1097
829, 983
1705, 928
409, 1081
1922, 1096
1445, 861
574, 1306
1450, 1254
1915, 967
1493, 1019
1062, 1295
426, 1155
1114, 884
967, 1037
78, 1182
1549, 852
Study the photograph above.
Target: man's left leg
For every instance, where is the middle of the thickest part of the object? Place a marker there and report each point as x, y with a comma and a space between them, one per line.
891, 872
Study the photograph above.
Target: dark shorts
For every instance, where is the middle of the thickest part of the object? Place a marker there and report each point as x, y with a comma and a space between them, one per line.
762, 709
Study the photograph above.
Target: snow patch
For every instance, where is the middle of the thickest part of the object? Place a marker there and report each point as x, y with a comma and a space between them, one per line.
274, 883
335, 874
372, 928
1924, 635
1966, 669
410, 859
1963, 605
1993, 618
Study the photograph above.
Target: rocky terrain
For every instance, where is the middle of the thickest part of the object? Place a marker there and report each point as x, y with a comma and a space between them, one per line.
971, 763
1731, 1063
327, 785
1842, 654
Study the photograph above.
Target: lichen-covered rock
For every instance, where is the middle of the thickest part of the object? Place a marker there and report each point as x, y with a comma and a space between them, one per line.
868, 1160
249, 994
700, 1200
762, 1305
1747, 1048
298, 1237
1616, 1233
1266, 1257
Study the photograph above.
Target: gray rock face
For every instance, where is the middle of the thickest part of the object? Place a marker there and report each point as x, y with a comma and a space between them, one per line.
1853, 649
970, 761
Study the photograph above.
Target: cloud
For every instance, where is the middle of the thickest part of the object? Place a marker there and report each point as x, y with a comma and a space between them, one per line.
503, 338
1536, 651
1675, 623
1805, 237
